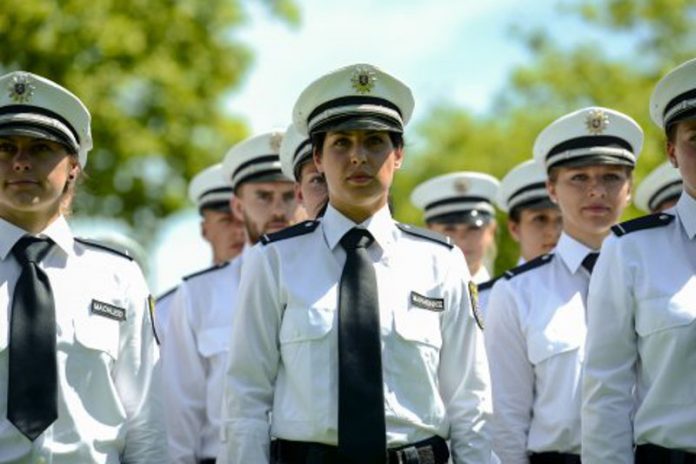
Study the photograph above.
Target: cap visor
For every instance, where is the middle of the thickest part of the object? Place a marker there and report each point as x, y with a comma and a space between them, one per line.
593, 161
364, 123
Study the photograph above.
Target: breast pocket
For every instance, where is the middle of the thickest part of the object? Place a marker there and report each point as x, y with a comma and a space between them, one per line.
420, 326
213, 342
664, 313
98, 334
562, 333
305, 324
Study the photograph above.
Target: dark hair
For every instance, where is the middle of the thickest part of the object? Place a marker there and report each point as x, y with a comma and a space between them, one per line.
671, 132
397, 139
553, 172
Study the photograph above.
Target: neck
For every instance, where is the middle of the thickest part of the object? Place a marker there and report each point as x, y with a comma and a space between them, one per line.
590, 240
32, 222
358, 213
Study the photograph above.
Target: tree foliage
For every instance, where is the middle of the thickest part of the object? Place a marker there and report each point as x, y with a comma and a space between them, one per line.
557, 80
153, 74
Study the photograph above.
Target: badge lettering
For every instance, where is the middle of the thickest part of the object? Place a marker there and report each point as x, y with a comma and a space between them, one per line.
108, 310
431, 304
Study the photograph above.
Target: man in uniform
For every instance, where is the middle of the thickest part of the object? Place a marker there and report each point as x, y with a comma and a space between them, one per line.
640, 356
203, 306
296, 160
660, 190
223, 231
78, 380
460, 206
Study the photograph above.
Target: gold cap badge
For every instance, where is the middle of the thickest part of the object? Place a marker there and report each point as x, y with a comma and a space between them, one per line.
363, 80
596, 122
21, 88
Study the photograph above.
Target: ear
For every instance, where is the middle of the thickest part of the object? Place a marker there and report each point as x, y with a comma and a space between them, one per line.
398, 157
237, 208
672, 155
298, 194
317, 160
74, 169
514, 229
551, 188
204, 230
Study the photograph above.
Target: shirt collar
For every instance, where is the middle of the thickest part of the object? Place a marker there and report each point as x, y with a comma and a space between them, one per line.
686, 211
381, 226
571, 252
58, 231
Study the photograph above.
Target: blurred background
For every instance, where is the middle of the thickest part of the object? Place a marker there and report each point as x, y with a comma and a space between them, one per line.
173, 84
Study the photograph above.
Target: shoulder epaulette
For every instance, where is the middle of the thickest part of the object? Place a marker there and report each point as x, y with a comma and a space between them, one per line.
302, 228
487, 285
166, 294
103, 246
529, 265
426, 234
212, 268
646, 222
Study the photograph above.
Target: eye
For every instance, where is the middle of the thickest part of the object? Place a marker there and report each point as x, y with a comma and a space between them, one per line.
317, 179
264, 196
288, 196
6, 147
579, 177
375, 140
341, 142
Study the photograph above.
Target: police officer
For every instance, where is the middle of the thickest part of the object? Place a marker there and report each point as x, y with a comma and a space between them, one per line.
660, 190
77, 353
297, 163
203, 307
638, 383
460, 206
533, 221
355, 332
224, 232
535, 319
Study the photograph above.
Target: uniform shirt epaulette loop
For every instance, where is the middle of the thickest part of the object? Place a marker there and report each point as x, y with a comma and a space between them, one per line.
212, 268
301, 228
529, 265
487, 285
646, 222
166, 294
426, 234
111, 248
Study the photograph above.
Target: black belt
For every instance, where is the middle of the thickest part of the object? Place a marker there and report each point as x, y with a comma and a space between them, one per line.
648, 454
431, 451
554, 458
206, 461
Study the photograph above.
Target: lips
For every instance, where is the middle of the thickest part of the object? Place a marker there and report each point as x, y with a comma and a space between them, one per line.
359, 177
596, 209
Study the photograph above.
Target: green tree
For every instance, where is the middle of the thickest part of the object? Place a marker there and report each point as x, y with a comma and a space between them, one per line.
558, 80
153, 74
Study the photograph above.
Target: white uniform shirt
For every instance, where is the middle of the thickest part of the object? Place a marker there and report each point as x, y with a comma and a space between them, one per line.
481, 276
161, 317
106, 410
194, 360
639, 384
284, 354
535, 330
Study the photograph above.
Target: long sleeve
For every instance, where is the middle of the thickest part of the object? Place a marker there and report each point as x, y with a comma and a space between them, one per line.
610, 358
512, 376
185, 388
253, 364
138, 381
464, 379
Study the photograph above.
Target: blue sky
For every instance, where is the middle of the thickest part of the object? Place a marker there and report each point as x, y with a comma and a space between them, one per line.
459, 52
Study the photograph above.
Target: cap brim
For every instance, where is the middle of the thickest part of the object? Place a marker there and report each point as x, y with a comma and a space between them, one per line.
271, 177
474, 218
363, 122
539, 203
593, 161
219, 206
36, 132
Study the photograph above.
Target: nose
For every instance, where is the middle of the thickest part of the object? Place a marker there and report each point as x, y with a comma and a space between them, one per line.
597, 188
21, 161
359, 154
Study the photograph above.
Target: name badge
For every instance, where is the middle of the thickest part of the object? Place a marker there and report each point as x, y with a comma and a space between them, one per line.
108, 310
431, 304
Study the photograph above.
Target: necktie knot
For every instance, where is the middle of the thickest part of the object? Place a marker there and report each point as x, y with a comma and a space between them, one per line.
589, 261
31, 249
357, 238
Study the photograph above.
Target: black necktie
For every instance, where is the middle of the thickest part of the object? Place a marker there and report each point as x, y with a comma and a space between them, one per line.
589, 261
32, 398
361, 427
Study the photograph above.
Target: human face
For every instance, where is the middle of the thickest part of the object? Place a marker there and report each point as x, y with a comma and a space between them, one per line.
34, 175
264, 207
591, 199
474, 241
311, 189
682, 154
537, 231
224, 232
359, 168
